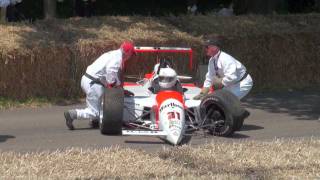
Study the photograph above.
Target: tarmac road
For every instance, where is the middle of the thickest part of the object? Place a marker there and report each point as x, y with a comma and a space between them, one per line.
273, 115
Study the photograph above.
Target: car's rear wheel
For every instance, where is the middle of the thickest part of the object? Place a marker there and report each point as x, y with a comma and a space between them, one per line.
113, 101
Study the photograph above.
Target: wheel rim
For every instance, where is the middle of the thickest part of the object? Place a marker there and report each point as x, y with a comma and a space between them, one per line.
215, 120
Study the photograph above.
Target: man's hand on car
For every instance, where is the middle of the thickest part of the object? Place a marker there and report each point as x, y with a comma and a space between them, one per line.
203, 93
128, 93
217, 83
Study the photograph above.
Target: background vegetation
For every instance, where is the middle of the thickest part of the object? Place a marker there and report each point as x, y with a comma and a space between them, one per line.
38, 9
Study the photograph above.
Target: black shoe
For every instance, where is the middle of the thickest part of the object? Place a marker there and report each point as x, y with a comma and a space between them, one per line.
70, 116
246, 114
94, 123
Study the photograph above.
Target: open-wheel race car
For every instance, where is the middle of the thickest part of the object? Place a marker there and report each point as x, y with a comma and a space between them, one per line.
163, 106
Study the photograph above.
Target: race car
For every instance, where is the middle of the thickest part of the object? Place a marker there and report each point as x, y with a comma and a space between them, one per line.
163, 105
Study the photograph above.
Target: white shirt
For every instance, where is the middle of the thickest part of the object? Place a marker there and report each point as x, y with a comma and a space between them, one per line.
107, 67
227, 68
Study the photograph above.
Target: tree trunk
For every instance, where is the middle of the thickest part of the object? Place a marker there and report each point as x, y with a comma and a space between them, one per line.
256, 6
240, 6
3, 14
49, 7
74, 12
317, 5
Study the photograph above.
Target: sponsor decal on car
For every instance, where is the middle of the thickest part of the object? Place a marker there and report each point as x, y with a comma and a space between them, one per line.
175, 125
172, 105
175, 132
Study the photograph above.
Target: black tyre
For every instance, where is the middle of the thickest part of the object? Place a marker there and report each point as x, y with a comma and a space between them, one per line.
220, 112
185, 140
239, 119
113, 100
238, 112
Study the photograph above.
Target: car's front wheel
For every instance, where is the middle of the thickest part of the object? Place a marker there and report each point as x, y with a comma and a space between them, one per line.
219, 113
113, 101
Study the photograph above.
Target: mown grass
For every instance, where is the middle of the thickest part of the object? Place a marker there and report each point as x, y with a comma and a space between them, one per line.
278, 159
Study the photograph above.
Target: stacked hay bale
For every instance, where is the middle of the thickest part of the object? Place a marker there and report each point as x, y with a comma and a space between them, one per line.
48, 58
280, 52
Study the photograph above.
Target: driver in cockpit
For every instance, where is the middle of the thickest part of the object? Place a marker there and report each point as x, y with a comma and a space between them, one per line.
165, 78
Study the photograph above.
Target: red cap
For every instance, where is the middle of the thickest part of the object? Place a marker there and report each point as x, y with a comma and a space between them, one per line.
128, 47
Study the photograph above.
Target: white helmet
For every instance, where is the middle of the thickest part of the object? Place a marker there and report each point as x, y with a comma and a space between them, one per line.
167, 78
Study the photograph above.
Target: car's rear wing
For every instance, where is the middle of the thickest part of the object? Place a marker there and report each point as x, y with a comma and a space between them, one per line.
140, 49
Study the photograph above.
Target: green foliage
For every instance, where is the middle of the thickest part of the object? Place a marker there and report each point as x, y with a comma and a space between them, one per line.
31, 9
65, 9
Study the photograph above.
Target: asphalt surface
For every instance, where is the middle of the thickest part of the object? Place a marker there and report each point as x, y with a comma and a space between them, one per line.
273, 115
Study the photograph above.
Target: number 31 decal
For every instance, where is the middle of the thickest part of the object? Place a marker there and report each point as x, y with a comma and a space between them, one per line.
173, 115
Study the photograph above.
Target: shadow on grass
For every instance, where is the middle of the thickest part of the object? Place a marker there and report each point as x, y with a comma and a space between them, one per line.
300, 105
4, 138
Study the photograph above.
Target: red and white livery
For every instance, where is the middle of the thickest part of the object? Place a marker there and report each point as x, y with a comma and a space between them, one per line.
168, 112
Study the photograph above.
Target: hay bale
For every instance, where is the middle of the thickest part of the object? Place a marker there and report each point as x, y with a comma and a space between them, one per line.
48, 58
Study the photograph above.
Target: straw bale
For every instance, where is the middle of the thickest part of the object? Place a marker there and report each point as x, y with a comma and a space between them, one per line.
48, 58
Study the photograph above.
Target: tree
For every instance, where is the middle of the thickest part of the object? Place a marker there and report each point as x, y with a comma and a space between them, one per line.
258, 6
317, 5
3, 8
3, 14
49, 7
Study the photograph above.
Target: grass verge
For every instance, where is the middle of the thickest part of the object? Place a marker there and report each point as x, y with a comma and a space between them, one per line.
9, 103
278, 159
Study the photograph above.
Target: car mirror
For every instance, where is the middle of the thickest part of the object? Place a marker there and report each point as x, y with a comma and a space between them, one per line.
151, 89
184, 90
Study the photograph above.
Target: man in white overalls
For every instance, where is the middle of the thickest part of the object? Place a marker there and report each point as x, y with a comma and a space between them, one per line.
224, 72
103, 72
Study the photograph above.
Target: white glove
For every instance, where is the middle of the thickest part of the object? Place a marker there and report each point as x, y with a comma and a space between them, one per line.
217, 83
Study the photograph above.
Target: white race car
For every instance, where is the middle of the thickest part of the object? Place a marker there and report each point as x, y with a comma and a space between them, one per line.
163, 106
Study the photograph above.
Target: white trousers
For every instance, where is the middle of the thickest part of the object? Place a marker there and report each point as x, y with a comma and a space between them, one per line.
94, 95
242, 88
